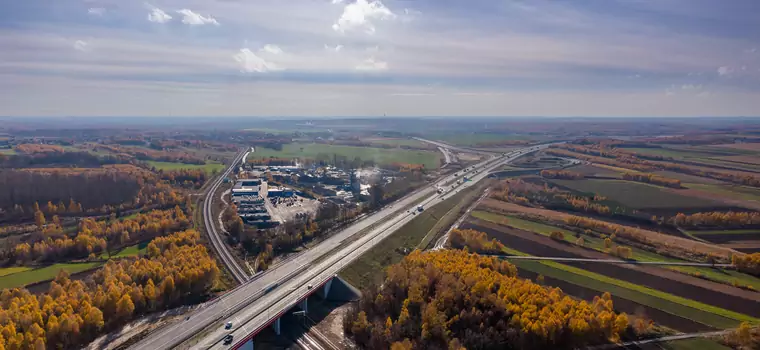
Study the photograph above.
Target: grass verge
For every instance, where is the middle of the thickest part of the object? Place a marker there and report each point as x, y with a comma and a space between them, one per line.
167, 166
369, 268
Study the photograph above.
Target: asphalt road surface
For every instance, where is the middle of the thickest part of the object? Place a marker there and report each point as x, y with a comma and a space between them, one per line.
253, 304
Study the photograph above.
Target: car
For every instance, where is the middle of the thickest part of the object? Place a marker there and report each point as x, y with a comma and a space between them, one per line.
228, 339
228, 325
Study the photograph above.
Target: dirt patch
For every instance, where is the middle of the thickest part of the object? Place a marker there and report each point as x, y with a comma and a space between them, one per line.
665, 239
708, 292
692, 192
726, 238
624, 305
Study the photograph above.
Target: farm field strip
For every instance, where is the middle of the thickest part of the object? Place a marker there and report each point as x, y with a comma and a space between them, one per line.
637, 195
208, 167
11, 270
726, 276
24, 278
726, 232
703, 313
430, 159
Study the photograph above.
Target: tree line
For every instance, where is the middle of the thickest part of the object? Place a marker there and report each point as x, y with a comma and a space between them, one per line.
80, 192
73, 313
561, 174
94, 237
716, 219
653, 179
453, 299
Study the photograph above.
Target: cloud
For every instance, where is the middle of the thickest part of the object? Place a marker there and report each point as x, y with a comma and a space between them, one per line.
360, 14
752, 50
371, 64
195, 19
96, 11
158, 15
335, 48
725, 70
635, 76
703, 94
273, 49
691, 87
251, 63
80, 45
412, 94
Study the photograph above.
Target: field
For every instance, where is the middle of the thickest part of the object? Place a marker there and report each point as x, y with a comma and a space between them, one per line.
731, 191
7, 151
24, 278
430, 159
399, 142
638, 195
209, 167
369, 268
728, 277
473, 139
706, 306
11, 270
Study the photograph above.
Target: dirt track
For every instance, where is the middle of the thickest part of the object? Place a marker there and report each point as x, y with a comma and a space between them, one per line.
721, 295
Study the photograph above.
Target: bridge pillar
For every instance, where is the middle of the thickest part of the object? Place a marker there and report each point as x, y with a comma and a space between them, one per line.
304, 305
326, 288
276, 326
247, 346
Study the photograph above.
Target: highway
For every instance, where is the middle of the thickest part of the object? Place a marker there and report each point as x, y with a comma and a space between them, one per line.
253, 304
208, 219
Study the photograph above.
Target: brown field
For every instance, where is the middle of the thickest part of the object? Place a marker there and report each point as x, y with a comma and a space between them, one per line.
708, 292
594, 170
742, 146
744, 246
654, 236
741, 159
692, 192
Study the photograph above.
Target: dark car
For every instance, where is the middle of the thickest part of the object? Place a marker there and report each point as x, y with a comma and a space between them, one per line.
228, 339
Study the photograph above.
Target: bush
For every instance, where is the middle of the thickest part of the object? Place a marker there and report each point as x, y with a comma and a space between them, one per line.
557, 235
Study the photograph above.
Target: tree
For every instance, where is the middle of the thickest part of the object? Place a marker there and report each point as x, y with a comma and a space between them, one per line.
125, 307
39, 219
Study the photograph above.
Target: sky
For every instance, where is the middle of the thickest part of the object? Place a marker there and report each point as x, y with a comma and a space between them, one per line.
315, 58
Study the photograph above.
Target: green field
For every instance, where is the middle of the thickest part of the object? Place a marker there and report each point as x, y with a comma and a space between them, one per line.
168, 166
718, 275
637, 195
400, 142
7, 151
24, 278
430, 159
11, 270
472, 139
369, 268
699, 312
133, 250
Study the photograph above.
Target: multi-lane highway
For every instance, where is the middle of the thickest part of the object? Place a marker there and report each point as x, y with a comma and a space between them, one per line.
255, 303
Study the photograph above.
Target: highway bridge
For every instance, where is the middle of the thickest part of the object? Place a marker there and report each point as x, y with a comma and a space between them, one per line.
260, 301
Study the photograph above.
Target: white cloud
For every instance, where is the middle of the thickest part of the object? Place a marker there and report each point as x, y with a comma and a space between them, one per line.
691, 87
752, 50
335, 48
635, 76
251, 63
704, 94
371, 64
195, 19
158, 15
725, 70
80, 45
96, 11
273, 49
358, 15
412, 94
